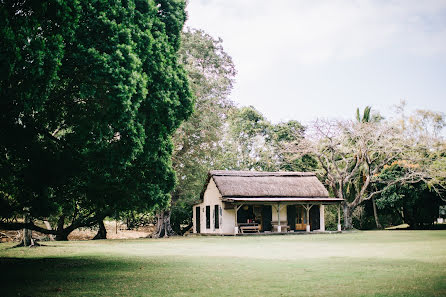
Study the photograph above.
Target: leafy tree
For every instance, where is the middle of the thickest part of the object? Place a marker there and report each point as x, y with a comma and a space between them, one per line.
198, 141
345, 148
254, 143
426, 127
249, 141
285, 134
97, 133
415, 203
365, 118
33, 38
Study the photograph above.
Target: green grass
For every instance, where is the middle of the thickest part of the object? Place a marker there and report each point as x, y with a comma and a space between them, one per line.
375, 263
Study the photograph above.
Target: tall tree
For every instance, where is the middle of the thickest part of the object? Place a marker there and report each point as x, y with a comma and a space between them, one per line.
344, 147
33, 38
254, 143
96, 139
367, 118
249, 140
198, 141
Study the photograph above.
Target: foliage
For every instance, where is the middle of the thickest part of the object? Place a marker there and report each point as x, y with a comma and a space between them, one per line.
346, 148
256, 144
198, 141
134, 219
331, 217
32, 37
249, 141
97, 132
415, 203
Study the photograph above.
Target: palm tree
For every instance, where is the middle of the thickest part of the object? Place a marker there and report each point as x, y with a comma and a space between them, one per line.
366, 118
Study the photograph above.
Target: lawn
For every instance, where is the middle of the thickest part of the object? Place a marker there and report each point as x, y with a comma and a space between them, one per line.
375, 263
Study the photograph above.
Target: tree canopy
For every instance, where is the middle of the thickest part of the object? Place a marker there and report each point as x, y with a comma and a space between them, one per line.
93, 92
198, 141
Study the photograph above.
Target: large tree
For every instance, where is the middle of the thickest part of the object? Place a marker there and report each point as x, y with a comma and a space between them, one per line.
367, 117
87, 131
254, 143
198, 141
345, 149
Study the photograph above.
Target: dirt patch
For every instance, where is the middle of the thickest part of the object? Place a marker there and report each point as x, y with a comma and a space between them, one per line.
8, 236
114, 231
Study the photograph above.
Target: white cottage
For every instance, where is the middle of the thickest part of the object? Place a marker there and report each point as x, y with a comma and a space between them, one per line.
235, 202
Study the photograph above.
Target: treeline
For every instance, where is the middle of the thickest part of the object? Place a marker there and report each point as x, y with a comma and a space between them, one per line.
389, 171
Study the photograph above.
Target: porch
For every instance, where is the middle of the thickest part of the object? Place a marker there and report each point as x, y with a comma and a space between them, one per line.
282, 217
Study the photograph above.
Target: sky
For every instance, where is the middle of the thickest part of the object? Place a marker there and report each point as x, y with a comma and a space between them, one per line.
302, 60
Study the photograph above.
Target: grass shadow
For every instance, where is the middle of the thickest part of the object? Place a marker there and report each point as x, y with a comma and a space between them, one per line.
62, 276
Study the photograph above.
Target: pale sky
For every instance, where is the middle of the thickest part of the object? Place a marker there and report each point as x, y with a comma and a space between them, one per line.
304, 60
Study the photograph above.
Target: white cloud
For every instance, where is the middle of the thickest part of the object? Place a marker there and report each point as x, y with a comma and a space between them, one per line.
317, 31
302, 59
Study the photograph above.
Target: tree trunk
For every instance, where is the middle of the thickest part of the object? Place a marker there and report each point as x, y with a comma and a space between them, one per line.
348, 225
163, 228
102, 232
27, 237
62, 235
27, 234
375, 214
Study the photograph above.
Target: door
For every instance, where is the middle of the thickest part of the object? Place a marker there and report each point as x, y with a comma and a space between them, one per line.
291, 216
315, 218
267, 215
300, 218
197, 219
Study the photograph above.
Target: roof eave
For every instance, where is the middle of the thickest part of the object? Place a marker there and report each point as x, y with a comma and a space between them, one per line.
281, 199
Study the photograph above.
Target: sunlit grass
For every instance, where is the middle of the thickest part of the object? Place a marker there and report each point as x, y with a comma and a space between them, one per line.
376, 263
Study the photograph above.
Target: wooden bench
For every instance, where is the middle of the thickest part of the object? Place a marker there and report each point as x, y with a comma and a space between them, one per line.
250, 228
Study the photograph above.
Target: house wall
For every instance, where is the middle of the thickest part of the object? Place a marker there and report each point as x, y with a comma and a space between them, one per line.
228, 221
211, 198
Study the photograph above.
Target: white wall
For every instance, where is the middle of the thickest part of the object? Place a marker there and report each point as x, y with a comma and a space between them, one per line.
228, 221
211, 198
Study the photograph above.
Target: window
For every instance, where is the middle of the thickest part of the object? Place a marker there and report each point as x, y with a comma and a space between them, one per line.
216, 217
208, 217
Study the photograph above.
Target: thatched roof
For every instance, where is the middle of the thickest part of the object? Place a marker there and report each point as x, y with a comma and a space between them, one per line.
249, 184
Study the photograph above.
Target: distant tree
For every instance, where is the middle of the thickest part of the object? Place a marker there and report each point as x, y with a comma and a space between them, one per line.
345, 148
92, 137
254, 143
249, 141
285, 134
366, 118
438, 172
426, 127
416, 204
